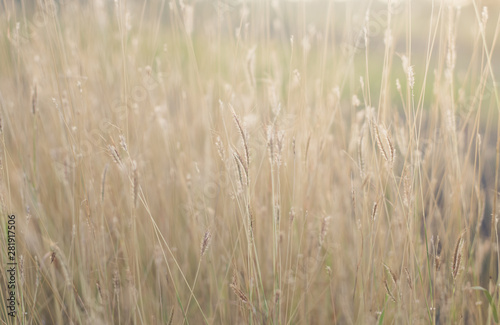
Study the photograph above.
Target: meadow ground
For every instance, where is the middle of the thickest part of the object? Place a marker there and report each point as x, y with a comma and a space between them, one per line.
261, 162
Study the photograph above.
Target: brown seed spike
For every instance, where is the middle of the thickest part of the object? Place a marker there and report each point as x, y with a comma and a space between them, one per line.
457, 256
205, 242
393, 275
389, 291
374, 211
171, 318
52, 257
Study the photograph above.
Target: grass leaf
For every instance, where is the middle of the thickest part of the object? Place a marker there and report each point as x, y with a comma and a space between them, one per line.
490, 300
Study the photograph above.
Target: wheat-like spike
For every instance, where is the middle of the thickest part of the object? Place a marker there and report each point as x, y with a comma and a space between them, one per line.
239, 161
391, 148
123, 143
279, 144
457, 256
37, 267
322, 234
361, 160
437, 262
220, 148
374, 211
408, 278
250, 222
21, 269
98, 285
389, 290
234, 286
270, 143
116, 282
171, 318
234, 277
406, 187
379, 142
243, 298
242, 135
393, 275
116, 155
205, 242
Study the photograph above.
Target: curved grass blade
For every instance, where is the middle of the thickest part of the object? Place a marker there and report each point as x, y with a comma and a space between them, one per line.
490, 300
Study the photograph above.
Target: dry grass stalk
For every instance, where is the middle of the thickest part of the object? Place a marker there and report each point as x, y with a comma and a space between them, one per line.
307, 147
135, 183
277, 210
103, 181
353, 197
34, 99
250, 66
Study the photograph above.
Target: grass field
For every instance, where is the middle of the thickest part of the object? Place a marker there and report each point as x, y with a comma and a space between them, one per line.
261, 162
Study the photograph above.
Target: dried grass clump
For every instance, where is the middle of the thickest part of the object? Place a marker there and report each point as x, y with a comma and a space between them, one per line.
379, 151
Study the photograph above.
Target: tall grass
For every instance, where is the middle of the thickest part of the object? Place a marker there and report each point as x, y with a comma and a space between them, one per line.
258, 162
